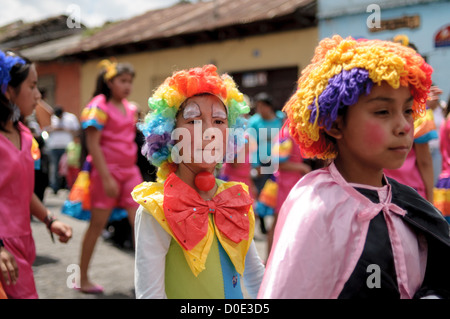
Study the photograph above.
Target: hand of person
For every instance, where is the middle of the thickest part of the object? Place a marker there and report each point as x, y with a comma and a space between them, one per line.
61, 229
111, 187
8, 267
433, 97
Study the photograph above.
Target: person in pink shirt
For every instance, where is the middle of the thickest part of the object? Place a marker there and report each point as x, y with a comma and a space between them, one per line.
18, 153
417, 170
442, 189
238, 168
290, 170
347, 230
109, 121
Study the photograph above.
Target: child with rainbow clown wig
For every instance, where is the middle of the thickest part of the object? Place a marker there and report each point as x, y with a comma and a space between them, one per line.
346, 230
194, 233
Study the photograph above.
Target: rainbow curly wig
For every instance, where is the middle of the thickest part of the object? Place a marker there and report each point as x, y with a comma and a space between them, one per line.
159, 123
340, 71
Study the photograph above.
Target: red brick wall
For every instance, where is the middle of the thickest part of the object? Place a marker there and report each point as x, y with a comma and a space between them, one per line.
67, 91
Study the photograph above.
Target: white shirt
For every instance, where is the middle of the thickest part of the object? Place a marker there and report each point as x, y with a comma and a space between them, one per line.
60, 139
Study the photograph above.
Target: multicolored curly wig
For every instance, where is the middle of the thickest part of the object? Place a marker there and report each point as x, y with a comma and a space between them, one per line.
159, 123
340, 71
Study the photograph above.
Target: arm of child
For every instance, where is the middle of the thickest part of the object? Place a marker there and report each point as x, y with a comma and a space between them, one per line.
425, 165
93, 145
152, 245
41, 212
254, 271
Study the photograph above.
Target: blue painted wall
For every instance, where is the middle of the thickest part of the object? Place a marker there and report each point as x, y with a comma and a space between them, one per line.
349, 18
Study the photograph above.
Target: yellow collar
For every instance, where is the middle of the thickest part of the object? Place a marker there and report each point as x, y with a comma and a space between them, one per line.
150, 195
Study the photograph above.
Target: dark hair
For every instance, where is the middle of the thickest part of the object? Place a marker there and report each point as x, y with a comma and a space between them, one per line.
102, 87
265, 98
447, 107
59, 111
19, 72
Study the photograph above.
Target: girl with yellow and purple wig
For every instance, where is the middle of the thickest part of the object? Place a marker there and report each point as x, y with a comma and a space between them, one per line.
339, 73
347, 230
194, 240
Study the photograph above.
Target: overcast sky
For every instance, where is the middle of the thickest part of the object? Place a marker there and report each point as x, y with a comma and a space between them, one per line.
92, 13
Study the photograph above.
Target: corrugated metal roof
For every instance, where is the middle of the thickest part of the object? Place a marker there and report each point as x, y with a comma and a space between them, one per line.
187, 18
18, 35
51, 50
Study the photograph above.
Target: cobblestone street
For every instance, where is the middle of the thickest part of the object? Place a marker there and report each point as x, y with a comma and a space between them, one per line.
111, 266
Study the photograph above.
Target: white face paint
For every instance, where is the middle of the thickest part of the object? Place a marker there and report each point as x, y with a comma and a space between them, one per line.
191, 110
218, 111
201, 131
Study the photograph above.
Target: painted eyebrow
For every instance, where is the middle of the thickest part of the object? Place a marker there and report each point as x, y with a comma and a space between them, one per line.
193, 110
219, 114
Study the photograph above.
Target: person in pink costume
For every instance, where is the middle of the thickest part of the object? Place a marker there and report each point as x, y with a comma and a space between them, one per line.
417, 170
238, 168
109, 121
442, 189
347, 230
291, 165
290, 170
18, 152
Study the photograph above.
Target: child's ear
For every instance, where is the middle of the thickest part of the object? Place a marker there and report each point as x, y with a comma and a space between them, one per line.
9, 93
336, 128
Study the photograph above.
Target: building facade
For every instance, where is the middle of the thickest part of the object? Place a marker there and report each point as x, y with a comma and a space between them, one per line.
425, 22
43, 42
263, 44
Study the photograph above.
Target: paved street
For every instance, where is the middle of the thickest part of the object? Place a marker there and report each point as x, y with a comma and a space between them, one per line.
111, 267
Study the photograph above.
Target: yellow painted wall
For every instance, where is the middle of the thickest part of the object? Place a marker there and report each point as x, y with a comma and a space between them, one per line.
284, 49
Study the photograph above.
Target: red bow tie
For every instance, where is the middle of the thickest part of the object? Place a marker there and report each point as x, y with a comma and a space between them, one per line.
187, 213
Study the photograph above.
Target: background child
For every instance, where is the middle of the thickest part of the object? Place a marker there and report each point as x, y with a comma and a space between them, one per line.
236, 170
109, 123
194, 240
73, 155
262, 124
291, 169
442, 189
18, 152
60, 133
347, 231
417, 170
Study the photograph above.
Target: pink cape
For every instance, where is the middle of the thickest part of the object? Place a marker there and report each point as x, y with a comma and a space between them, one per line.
320, 236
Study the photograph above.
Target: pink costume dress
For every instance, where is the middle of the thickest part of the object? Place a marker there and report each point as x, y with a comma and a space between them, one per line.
442, 190
287, 150
16, 190
117, 142
329, 232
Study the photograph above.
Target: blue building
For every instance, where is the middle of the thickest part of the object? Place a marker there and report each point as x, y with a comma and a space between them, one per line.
425, 22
